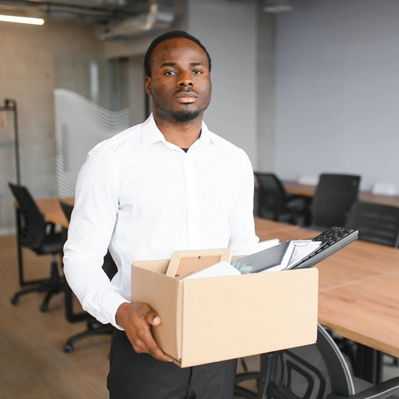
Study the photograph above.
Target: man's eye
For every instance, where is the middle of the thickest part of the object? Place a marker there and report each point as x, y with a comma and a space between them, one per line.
197, 72
170, 73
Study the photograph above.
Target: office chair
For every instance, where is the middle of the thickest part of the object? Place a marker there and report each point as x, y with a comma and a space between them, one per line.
34, 233
376, 223
93, 326
276, 204
335, 194
315, 371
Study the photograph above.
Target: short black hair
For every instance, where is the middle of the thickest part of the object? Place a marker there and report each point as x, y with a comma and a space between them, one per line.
174, 34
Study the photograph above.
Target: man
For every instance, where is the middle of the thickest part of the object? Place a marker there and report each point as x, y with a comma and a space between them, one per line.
164, 185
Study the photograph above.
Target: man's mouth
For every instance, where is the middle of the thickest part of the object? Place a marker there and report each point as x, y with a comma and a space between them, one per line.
184, 97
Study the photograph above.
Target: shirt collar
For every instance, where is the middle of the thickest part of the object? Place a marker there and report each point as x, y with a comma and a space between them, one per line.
150, 133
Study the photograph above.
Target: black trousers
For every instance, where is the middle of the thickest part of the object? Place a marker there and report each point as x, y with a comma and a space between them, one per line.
140, 376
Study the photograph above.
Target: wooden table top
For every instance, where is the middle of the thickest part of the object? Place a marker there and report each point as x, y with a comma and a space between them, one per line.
52, 211
358, 289
358, 285
308, 190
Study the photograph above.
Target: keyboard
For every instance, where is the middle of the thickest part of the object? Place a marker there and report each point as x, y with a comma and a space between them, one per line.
332, 240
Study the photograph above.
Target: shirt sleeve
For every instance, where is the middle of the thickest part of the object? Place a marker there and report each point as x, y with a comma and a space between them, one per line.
89, 233
243, 238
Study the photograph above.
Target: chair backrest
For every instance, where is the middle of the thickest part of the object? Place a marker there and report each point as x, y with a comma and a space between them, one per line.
272, 195
109, 265
335, 194
67, 209
33, 225
375, 222
312, 371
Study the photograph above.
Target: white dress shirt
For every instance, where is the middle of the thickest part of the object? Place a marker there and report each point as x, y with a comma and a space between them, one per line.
144, 198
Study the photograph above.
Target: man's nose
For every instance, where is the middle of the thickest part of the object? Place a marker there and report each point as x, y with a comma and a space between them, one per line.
185, 79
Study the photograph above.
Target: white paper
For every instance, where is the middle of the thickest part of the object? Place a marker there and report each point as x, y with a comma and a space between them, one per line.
302, 249
218, 270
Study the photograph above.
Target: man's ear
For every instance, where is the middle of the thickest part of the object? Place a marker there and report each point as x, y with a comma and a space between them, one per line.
148, 85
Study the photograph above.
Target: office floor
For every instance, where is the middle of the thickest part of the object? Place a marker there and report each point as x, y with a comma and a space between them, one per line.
32, 363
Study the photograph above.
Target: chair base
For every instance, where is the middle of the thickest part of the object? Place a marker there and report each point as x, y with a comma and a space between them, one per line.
51, 286
42, 287
93, 328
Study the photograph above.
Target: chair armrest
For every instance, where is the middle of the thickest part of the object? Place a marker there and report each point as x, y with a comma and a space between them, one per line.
379, 391
248, 375
50, 228
293, 197
241, 391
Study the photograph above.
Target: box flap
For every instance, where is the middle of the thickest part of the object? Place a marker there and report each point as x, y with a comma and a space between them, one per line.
187, 262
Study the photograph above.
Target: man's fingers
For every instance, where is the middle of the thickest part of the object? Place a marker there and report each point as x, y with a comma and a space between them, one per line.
159, 355
152, 318
137, 321
146, 344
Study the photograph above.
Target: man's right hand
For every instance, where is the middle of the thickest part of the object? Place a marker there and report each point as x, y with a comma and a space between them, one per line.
136, 319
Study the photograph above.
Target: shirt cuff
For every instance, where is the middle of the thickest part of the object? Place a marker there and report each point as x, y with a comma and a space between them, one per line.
111, 303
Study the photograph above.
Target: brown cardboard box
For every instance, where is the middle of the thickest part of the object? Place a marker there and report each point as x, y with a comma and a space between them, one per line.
219, 318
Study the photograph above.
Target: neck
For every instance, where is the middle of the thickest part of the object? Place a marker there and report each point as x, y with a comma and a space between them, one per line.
182, 134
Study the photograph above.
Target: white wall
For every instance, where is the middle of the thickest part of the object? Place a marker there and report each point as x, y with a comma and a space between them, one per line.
228, 31
338, 89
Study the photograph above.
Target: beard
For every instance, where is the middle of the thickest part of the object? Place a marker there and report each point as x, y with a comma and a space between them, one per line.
186, 115
182, 116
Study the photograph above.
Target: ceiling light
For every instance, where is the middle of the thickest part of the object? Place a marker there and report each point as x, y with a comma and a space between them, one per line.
22, 20
277, 6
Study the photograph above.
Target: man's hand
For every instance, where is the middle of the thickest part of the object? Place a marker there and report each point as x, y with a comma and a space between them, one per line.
136, 319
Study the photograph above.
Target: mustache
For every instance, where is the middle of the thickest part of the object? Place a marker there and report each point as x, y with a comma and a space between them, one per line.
185, 90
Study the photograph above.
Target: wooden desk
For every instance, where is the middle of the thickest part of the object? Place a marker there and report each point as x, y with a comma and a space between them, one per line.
51, 209
358, 289
358, 296
308, 190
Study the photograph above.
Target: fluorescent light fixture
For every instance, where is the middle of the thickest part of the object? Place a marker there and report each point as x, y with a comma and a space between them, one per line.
276, 6
22, 20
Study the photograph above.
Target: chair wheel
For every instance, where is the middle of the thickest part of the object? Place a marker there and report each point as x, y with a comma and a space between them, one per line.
14, 300
43, 308
67, 348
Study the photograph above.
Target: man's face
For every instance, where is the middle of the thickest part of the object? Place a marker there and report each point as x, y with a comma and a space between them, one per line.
180, 83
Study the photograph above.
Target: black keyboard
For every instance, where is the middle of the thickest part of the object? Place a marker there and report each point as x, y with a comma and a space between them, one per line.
332, 240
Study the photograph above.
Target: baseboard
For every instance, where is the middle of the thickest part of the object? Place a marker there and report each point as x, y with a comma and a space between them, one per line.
7, 231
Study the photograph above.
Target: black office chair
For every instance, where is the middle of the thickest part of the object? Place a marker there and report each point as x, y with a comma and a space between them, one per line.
315, 371
376, 223
335, 194
276, 204
34, 233
93, 326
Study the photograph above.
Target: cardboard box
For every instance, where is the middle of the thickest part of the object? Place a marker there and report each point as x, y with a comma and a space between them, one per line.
213, 319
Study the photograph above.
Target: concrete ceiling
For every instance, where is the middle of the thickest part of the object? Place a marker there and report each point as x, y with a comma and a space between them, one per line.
93, 11
116, 18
